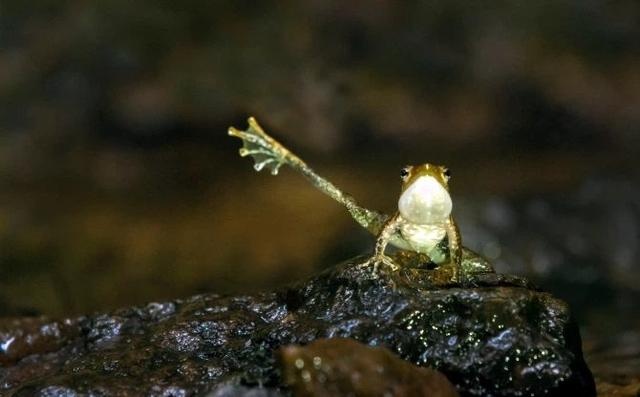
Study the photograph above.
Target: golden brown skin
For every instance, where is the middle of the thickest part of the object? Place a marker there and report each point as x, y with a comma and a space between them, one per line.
410, 173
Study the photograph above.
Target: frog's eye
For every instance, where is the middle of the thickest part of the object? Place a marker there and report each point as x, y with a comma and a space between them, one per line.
447, 173
404, 173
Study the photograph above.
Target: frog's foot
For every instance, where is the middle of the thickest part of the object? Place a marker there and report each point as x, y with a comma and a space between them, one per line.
376, 261
386, 261
266, 151
449, 273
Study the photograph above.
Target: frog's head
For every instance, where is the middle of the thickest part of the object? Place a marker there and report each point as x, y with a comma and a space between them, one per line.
425, 195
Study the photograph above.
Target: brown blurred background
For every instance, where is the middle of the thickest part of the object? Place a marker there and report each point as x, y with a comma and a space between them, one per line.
119, 185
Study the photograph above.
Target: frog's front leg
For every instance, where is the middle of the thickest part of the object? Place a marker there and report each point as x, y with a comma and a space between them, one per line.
379, 257
455, 250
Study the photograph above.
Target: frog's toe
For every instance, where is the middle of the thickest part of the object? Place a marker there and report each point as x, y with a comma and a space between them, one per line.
454, 272
386, 262
390, 263
365, 264
378, 265
266, 152
369, 265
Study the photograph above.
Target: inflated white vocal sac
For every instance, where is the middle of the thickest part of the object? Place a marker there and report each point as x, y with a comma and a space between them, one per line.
425, 202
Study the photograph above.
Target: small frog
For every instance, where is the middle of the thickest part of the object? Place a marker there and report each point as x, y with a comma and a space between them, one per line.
422, 228
423, 219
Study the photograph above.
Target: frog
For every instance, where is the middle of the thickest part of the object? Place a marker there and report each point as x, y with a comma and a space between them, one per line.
423, 228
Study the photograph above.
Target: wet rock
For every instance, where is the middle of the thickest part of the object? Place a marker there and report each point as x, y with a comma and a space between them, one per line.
242, 391
582, 245
496, 336
342, 367
20, 337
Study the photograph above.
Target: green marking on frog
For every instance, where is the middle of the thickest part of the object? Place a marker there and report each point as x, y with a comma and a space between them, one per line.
422, 228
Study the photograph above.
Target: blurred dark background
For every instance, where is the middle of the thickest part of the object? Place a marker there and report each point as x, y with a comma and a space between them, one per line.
119, 185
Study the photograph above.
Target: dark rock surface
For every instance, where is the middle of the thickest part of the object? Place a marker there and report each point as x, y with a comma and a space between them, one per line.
343, 367
495, 337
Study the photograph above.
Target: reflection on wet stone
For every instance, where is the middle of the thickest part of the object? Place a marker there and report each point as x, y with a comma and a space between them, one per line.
498, 335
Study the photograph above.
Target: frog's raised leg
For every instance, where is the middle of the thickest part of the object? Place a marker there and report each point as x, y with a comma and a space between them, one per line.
271, 154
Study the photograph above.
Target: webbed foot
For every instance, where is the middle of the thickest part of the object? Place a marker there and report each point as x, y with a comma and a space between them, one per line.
266, 151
